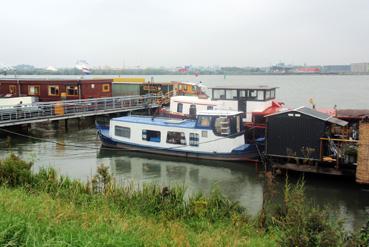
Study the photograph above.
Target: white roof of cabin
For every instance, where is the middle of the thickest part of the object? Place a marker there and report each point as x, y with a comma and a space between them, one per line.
218, 113
192, 100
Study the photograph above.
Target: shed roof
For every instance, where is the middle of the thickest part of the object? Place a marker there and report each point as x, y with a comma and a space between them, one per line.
313, 113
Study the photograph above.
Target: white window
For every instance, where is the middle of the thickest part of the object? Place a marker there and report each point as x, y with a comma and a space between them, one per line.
204, 134
219, 94
204, 121
33, 90
231, 94
53, 90
221, 126
260, 95
151, 135
179, 107
72, 90
123, 131
194, 139
176, 138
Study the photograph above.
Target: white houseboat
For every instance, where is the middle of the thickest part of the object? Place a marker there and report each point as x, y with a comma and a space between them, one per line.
255, 102
214, 135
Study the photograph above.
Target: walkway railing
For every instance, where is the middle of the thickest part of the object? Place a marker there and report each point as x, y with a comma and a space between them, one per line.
42, 111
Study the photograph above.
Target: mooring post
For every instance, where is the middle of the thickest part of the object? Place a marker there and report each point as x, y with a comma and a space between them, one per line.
66, 124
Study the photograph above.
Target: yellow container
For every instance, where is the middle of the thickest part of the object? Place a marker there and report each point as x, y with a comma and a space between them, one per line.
59, 109
127, 79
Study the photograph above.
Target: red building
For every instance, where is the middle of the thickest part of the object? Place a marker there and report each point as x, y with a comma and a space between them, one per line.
56, 89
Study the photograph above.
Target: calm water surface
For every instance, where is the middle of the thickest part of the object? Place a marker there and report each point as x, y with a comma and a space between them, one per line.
241, 182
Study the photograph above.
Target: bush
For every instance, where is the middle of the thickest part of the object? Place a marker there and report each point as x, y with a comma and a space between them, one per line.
15, 172
303, 224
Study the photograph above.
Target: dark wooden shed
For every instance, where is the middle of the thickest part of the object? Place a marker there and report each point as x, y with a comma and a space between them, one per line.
296, 133
56, 89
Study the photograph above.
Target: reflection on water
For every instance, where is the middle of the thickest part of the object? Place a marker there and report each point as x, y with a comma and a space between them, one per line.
234, 180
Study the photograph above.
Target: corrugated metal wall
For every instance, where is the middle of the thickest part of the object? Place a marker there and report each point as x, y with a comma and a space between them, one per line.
293, 134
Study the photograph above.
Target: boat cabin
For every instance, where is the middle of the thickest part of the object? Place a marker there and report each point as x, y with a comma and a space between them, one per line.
306, 134
211, 133
56, 89
250, 100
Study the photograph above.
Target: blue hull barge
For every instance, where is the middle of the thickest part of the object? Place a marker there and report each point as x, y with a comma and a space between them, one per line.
213, 135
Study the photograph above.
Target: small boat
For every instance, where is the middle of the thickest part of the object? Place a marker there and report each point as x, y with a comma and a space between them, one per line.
213, 135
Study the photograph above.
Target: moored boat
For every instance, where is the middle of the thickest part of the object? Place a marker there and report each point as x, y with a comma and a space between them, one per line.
213, 135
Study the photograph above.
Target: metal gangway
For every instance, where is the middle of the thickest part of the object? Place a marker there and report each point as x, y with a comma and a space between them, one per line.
67, 109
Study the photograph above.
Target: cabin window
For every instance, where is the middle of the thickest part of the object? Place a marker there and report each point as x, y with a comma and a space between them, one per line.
252, 94
209, 107
238, 124
33, 90
12, 89
219, 94
192, 110
242, 93
106, 88
204, 134
92, 85
267, 94
231, 94
260, 95
53, 90
179, 107
204, 121
221, 126
176, 138
272, 94
194, 139
72, 90
151, 135
122, 131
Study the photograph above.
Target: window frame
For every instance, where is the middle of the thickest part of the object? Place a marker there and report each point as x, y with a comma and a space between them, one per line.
194, 139
144, 133
67, 88
219, 96
231, 94
122, 128
182, 135
12, 89
180, 107
34, 86
104, 90
49, 90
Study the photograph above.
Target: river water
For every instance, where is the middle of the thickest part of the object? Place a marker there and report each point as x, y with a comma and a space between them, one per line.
81, 153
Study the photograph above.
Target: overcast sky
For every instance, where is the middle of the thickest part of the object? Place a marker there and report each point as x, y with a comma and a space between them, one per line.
174, 33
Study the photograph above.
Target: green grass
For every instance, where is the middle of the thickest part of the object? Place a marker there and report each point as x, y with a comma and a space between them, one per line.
45, 209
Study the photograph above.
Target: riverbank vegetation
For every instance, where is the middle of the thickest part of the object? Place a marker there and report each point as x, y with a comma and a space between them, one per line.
45, 209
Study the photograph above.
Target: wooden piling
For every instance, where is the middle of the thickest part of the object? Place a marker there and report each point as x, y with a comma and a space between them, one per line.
362, 170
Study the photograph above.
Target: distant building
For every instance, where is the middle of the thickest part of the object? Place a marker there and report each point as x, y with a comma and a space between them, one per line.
360, 67
336, 69
309, 70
